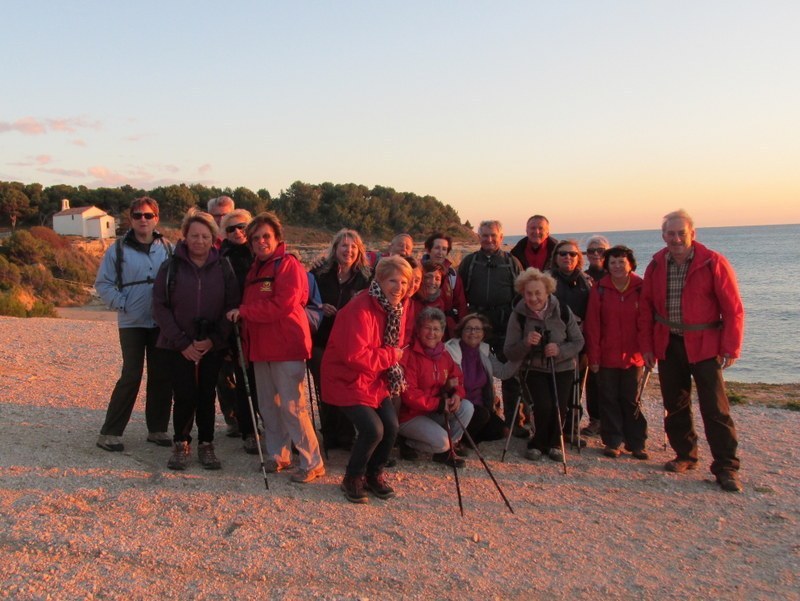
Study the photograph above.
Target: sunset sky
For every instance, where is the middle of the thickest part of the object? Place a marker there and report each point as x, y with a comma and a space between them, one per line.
602, 115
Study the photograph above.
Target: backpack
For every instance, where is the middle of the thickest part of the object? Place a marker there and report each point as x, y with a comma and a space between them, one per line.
119, 260
227, 274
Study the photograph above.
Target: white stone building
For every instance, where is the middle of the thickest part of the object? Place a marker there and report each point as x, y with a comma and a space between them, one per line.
89, 222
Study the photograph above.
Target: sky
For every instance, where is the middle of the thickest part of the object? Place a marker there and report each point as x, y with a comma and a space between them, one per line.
601, 115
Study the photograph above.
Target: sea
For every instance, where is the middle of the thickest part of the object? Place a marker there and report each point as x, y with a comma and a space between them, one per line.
769, 285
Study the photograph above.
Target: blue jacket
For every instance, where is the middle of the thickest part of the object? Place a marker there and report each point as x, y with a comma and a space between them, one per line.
134, 301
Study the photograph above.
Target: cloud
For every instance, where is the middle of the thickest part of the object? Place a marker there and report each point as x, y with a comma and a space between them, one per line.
106, 176
72, 124
42, 159
204, 169
62, 172
27, 125
30, 126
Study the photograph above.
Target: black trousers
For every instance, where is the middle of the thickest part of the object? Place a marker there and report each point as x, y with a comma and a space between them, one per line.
138, 344
485, 424
675, 375
619, 420
546, 427
377, 431
194, 387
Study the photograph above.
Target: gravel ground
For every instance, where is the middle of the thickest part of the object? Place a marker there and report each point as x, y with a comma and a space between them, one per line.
82, 523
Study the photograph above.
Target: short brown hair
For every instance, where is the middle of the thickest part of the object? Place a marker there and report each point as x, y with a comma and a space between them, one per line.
266, 218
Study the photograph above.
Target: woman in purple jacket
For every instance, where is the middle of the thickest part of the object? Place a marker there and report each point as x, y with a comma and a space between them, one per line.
192, 292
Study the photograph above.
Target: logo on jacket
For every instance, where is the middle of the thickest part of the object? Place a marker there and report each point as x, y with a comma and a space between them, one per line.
266, 287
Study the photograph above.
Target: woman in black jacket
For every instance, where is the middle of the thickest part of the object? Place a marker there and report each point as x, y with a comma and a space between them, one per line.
343, 274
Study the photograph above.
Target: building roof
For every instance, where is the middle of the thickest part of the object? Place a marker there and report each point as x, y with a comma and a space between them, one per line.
77, 211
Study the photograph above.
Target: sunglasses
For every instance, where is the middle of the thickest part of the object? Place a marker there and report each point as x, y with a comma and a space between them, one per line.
595, 251
232, 228
137, 215
565, 253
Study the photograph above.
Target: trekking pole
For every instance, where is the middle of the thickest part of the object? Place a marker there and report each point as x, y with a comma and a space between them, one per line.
575, 425
552, 364
640, 391
511, 429
483, 461
243, 365
453, 460
312, 392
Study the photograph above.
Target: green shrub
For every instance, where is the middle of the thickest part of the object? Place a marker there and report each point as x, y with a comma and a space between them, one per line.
42, 309
10, 305
735, 398
10, 275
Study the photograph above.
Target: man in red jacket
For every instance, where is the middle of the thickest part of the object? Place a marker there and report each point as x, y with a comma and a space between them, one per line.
691, 320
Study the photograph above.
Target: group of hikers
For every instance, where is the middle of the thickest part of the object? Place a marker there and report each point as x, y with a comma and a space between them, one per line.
403, 352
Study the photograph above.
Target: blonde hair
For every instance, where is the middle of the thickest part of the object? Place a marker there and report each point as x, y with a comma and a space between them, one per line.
534, 275
195, 215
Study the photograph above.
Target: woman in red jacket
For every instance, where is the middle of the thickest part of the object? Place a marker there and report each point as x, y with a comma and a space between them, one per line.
613, 349
435, 393
278, 342
360, 374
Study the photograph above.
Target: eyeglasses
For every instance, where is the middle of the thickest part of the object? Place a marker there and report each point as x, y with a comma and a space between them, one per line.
232, 228
595, 251
137, 215
570, 253
473, 329
218, 216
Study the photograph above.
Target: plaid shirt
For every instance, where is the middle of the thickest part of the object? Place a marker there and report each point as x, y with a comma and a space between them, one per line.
676, 277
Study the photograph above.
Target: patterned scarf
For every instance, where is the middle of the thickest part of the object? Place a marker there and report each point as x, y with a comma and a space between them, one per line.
391, 337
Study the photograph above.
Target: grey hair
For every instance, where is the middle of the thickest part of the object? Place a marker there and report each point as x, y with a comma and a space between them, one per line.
220, 201
679, 214
431, 314
598, 239
491, 223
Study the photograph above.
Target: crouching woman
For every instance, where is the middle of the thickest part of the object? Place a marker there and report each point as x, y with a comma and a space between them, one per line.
192, 292
433, 411
360, 374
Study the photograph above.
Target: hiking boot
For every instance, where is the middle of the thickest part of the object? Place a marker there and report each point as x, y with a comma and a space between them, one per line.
729, 481
454, 461
678, 466
592, 429
640, 454
555, 454
180, 456
460, 449
612, 452
162, 439
520, 431
271, 466
406, 452
377, 486
302, 476
353, 487
110, 443
250, 445
205, 453
232, 430
533, 454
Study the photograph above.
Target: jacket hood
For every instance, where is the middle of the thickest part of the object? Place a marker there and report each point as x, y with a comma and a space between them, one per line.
182, 252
